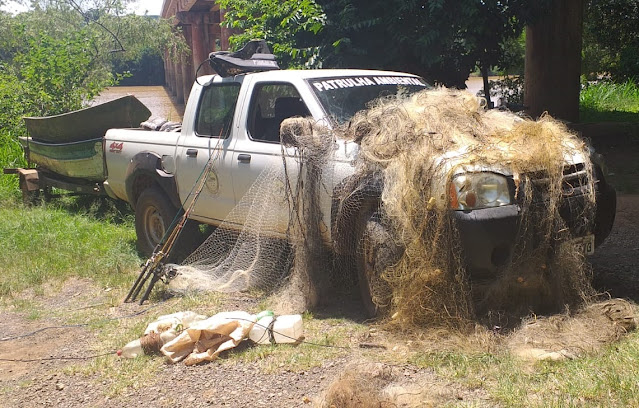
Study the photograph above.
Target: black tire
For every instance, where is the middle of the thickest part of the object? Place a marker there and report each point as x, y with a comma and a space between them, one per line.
154, 213
605, 215
376, 251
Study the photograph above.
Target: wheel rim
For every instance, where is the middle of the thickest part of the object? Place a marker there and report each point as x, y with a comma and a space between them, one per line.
154, 227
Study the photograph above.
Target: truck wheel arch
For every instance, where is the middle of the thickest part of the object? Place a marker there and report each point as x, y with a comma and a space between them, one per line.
355, 213
351, 197
145, 170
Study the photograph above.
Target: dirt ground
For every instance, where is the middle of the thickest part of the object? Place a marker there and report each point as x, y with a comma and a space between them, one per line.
59, 382
616, 262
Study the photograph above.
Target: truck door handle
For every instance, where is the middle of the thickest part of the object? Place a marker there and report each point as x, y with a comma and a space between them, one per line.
191, 152
244, 158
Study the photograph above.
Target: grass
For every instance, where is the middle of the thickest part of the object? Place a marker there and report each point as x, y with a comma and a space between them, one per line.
87, 246
606, 101
330, 339
94, 241
11, 156
48, 243
614, 108
607, 378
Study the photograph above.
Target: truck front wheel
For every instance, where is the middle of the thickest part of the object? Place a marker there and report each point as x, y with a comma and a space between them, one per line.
376, 251
154, 214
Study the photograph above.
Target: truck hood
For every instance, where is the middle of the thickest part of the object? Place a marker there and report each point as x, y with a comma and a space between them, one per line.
458, 160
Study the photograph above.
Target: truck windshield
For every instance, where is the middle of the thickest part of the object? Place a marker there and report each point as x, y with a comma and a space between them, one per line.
343, 97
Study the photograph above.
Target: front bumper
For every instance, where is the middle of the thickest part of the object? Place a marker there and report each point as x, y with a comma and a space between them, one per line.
489, 236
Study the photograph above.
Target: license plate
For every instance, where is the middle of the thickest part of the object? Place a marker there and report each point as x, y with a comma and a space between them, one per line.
585, 245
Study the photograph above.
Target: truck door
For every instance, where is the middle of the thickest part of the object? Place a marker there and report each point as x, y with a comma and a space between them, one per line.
209, 135
258, 144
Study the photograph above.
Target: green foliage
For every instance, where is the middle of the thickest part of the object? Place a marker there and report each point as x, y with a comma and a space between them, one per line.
512, 58
442, 40
290, 27
60, 55
142, 43
611, 39
147, 68
510, 89
43, 75
57, 73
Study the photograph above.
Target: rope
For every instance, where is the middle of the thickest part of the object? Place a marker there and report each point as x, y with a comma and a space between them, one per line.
71, 326
271, 332
151, 343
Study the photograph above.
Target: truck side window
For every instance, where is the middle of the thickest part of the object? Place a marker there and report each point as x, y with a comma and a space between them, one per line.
215, 113
270, 105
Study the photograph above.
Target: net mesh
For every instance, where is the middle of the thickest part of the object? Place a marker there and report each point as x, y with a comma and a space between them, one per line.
387, 221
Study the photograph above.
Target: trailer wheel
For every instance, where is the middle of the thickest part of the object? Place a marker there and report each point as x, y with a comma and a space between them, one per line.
153, 216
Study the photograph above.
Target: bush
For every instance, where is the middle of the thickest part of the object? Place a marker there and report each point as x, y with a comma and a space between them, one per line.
45, 76
510, 91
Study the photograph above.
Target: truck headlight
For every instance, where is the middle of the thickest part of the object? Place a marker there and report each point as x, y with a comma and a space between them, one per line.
470, 191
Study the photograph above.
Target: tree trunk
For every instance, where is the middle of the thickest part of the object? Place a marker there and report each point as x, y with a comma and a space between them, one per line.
553, 62
484, 75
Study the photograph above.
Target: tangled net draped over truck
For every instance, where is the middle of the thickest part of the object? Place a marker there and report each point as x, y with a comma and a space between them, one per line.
405, 245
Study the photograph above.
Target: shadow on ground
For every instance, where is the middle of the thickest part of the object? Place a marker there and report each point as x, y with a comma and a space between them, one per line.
615, 263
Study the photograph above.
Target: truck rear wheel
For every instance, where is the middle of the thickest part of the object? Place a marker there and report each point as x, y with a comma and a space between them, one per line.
154, 214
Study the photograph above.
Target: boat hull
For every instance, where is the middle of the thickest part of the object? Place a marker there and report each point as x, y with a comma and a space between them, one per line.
81, 160
89, 123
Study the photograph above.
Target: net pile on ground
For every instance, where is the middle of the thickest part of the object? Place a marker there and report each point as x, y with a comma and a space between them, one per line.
409, 149
568, 336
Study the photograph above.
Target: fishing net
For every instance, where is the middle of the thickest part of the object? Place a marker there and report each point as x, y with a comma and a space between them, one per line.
279, 245
389, 225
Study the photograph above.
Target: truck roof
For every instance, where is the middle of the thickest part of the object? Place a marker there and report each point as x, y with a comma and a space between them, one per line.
316, 73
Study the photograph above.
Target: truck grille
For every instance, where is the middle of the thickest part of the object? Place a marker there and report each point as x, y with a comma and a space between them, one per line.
575, 188
575, 182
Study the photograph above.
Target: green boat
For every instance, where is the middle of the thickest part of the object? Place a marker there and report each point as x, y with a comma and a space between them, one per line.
81, 160
89, 123
70, 144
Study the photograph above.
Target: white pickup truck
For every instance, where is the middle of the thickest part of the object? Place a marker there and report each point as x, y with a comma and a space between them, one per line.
237, 118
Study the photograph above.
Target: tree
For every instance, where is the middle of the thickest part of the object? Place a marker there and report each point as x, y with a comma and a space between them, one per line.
63, 51
611, 39
553, 59
58, 56
121, 40
442, 40
291, 28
